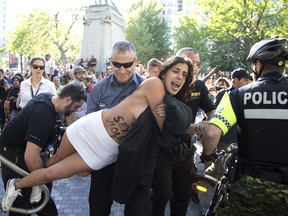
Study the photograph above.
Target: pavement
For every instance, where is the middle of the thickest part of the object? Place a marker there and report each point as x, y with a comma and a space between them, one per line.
71, 196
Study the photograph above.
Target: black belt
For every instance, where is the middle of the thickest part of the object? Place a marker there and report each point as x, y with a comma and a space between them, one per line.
277, 175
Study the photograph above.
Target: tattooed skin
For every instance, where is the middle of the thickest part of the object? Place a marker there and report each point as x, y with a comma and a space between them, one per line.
118, 128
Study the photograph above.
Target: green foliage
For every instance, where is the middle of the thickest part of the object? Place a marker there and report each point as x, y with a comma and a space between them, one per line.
191, 34
230, 28
39, 33
147, 31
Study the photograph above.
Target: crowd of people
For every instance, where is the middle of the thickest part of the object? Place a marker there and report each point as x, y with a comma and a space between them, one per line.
136, 131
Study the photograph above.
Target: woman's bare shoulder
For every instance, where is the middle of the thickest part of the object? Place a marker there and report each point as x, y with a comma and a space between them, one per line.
152, 83
153, 90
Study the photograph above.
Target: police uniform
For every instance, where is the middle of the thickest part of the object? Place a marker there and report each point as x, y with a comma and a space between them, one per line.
261, 112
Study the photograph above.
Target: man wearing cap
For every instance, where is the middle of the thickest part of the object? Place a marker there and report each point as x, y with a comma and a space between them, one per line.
79, 74
240, 77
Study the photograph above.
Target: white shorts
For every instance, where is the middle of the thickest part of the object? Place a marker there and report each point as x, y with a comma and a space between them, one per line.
91, 140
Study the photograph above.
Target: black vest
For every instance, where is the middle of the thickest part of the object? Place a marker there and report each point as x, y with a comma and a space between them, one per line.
262, 115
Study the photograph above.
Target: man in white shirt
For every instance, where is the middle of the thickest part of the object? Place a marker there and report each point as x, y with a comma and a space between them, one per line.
49, 66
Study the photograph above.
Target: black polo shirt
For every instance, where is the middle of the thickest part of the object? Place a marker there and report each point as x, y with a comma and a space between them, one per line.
199, 99
34, 123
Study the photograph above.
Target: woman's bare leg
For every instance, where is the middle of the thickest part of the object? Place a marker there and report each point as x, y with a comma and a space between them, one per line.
69, 166
65, 149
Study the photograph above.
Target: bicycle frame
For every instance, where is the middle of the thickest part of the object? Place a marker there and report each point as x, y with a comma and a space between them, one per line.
229, 160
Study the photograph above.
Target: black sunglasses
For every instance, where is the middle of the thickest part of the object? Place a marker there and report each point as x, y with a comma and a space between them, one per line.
41, 67
125, 65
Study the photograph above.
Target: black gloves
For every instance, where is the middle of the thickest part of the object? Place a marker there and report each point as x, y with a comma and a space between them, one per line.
207, 158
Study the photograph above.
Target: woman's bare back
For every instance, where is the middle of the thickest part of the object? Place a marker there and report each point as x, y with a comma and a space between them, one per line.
119, 119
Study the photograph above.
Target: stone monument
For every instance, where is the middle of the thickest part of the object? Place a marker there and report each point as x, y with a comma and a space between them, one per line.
103, 26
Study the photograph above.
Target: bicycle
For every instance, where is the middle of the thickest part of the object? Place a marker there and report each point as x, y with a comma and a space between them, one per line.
207, 186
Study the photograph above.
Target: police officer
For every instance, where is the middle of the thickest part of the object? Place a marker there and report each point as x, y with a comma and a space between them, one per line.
261, 112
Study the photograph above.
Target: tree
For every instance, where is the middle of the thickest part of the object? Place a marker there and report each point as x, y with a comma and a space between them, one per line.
148, 31
61, 33
191, 34
27, 38
39, 33
232, 27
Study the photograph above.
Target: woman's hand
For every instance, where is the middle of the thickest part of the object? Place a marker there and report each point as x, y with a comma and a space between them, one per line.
202, 125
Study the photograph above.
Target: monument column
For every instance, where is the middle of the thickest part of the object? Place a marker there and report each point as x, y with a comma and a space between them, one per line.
103, 26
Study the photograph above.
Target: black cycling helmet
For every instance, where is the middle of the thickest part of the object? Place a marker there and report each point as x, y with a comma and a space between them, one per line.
269, 49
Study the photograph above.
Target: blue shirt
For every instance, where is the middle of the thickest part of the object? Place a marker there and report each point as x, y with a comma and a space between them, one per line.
107, 92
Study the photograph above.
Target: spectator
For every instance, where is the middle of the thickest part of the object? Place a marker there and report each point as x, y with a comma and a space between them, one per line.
79, 74
13, 95
88, 84
4, 89
220, 84
49, 66
92, 64
109, 70
58, 86
65, 79
153, 67
36, 84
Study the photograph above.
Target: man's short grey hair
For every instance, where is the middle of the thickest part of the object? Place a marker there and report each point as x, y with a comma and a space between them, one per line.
123, 47
186, 50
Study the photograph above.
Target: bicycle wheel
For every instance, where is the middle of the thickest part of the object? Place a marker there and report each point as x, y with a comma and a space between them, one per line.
205, 187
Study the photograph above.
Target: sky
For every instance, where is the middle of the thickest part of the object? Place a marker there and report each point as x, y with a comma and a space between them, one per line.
28, 5
25, 6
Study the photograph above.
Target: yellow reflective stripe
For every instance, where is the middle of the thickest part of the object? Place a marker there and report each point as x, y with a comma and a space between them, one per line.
224, 117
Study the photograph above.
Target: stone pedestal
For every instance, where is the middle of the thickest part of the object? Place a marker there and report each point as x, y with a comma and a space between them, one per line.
103, 26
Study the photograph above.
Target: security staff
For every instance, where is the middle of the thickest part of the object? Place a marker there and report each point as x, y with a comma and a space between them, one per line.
261, 112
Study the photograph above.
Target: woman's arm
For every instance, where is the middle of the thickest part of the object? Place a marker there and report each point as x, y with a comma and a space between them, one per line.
154, 92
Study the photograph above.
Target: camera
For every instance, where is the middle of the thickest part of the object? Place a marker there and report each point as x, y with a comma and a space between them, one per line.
60, 129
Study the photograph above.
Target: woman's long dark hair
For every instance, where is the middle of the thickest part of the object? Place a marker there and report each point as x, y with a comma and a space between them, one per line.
169, 63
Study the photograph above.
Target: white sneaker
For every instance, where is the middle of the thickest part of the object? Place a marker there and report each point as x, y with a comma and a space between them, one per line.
36, 193
10, 195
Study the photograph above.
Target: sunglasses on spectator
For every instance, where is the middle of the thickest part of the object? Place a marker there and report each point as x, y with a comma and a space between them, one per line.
125, 65
41, 67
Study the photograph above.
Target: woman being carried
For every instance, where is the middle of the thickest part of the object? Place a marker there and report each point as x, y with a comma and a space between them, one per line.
92, 142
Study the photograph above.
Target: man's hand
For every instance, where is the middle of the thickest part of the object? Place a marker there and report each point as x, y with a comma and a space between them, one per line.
160, 110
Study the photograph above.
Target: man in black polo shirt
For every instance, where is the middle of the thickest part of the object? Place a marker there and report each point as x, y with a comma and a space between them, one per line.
28, 134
